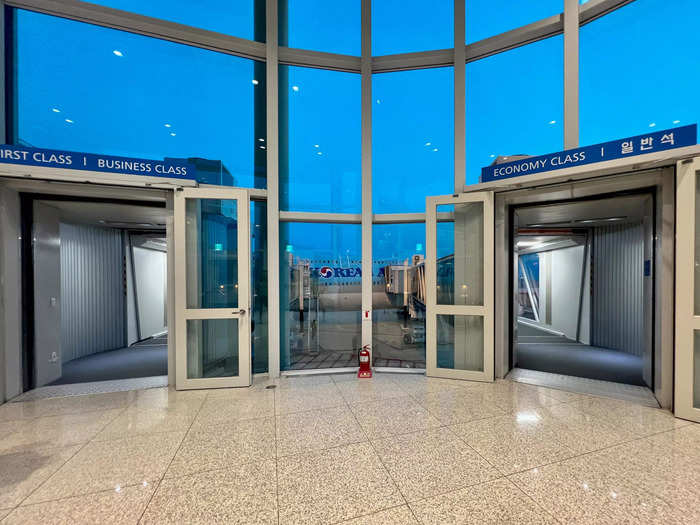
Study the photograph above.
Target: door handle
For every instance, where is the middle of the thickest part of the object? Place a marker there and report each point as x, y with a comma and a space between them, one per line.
241, 311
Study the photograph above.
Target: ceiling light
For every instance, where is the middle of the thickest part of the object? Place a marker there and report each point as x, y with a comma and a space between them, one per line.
552, 121
255, 82
261, 140
319, 153
69, 121
428, 144
676, 121
315, 145
262, 147
167, 125
295, 88
118, 53
601, 219
172, 134
435, 149
55, 110
652, 125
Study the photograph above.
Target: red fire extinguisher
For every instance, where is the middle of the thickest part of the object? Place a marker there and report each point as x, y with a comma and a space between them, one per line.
365, 369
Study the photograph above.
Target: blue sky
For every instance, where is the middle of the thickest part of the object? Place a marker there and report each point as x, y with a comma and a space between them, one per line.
92, 89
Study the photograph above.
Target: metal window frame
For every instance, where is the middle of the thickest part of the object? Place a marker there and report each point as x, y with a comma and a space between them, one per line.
566, 23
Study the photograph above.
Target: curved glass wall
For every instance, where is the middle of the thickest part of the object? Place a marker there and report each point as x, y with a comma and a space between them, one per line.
332, 27
320, 295
319, 140
406, 26
412, 138
520, 113
487, 18
639, 69
118, 93
242, 18
398, 295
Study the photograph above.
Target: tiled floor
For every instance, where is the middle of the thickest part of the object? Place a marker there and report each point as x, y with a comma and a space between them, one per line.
327, 449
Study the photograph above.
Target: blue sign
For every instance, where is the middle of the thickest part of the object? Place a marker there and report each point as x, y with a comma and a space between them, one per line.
617, 149
178, 169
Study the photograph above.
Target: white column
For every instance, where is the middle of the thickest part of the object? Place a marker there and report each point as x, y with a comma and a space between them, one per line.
273, 267
571, 79
366, 72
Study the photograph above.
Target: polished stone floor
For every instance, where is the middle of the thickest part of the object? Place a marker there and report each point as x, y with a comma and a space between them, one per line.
328, 449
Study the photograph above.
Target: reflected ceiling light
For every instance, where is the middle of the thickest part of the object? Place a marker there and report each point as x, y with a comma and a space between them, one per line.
552, 121
379, 101
652, 125
492, 156
319, 153
118, 53
262, 147
167, 125
676, 121
435, 149
255, 82
527, 417
172, 134
261, 140
428, 144
55, 110
295, 88
69, 121
315, 145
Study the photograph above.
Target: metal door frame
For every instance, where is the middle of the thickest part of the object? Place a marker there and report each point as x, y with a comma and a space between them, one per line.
433, 309
242, 309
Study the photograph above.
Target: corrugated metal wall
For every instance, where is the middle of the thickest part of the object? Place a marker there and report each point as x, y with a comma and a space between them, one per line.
92, 290
618, 288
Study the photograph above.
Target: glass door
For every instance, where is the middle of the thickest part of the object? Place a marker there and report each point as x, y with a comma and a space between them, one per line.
687, 346
212, 288
459, 283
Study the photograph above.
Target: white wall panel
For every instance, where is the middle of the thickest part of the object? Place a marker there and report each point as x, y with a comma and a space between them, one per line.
92, 290
151, 271
618, 288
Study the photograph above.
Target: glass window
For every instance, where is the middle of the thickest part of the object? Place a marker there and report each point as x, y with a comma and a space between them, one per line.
639, 70
520, 113
460, 252
413, 138
320, 140
460, 342
117, 93
258, 271
212, 348
485, 18
211, 240
242, 18
405, 26
320, 295
398, 295
333, 27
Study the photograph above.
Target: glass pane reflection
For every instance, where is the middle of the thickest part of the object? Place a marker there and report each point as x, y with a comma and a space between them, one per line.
460, 342
212, 348
460, 253
398, 295
211, 240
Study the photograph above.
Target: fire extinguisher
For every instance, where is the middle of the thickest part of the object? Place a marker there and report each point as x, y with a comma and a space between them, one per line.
363, 357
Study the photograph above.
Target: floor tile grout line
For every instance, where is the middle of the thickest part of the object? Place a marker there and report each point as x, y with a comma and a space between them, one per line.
373, 513
82, 446
165, 470
381, 462
539, 506
277, 467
